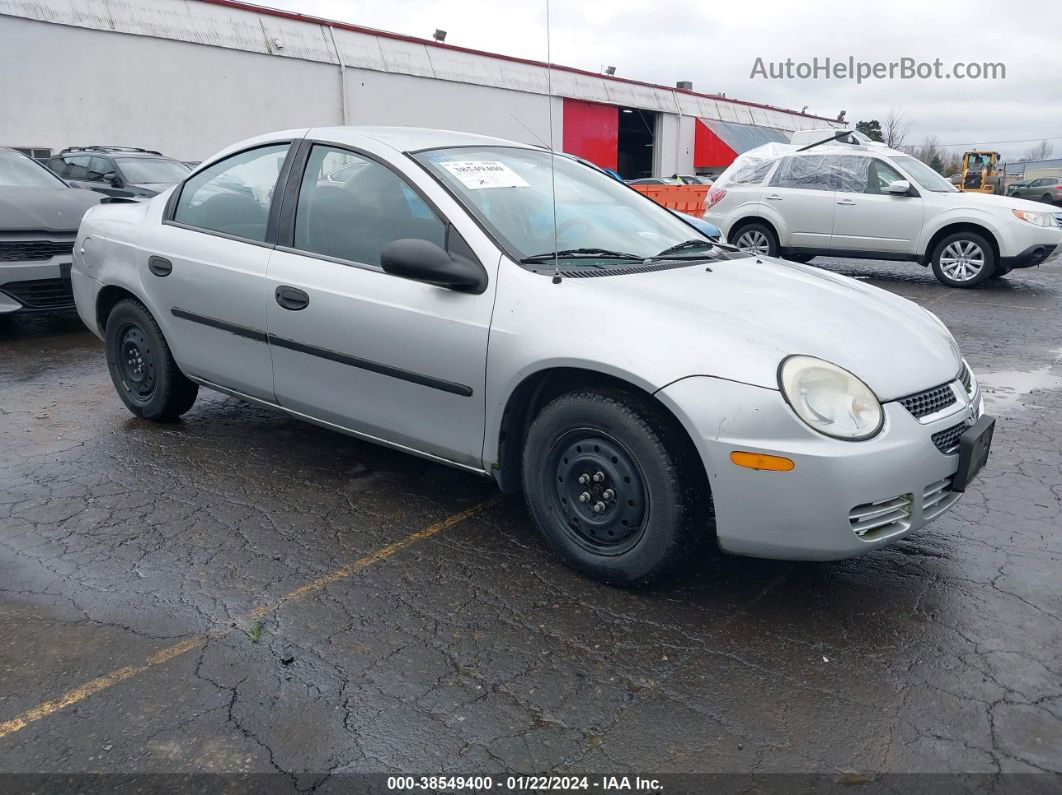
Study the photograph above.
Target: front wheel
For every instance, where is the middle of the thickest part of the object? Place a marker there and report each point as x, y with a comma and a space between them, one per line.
142, 368
615, 486
964, 259
757, 239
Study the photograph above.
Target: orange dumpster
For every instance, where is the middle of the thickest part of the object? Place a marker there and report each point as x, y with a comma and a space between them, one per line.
689, 199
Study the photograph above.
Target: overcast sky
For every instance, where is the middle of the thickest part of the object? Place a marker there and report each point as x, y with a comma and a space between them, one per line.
716, 44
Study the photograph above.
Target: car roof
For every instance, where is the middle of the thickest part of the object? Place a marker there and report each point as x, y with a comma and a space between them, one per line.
410, 139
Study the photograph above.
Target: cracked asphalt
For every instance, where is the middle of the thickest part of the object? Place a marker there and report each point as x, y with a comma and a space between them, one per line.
472, 649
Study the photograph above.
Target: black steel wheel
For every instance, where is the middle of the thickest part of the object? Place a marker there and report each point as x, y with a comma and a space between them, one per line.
616, 486
142, 368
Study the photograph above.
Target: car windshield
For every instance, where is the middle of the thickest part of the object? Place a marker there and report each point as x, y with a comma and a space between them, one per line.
924, 175
19, 171
598, 220
142, 170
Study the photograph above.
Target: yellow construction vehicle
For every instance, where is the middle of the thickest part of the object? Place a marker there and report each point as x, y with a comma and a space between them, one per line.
979, 172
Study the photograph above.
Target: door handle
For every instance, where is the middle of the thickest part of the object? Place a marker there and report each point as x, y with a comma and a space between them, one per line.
160, 266
773, 197
291, 298
846, 202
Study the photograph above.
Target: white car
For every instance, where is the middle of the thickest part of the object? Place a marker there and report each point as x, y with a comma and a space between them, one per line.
864, 200
526, 317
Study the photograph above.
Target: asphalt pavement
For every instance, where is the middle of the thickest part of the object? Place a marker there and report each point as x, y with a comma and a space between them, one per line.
240, 592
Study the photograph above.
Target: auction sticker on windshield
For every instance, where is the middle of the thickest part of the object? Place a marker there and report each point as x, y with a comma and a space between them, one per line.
475, 174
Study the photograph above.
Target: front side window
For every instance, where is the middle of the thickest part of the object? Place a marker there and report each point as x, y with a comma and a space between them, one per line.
511, 192
881, 176
809, 172
97, 168
924, 175
851, 173
18, 171
77, 167
234, 195
351, 207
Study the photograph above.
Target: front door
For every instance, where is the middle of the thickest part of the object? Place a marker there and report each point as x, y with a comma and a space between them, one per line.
393, 359
869, 218
205, 271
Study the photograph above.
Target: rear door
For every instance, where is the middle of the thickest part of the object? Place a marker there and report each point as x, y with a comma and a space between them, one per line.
204, 267
390, 358
868, 217
801, 190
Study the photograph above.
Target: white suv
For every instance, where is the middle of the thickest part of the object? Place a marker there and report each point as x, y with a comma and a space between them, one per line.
865, 200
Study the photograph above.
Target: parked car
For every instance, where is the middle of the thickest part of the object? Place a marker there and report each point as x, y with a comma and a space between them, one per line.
694, 179
654, 181
649, 391
118, 170
39, 216
1044, 189
846, 200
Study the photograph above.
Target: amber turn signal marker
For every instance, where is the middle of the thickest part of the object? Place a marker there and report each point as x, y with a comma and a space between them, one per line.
771, 463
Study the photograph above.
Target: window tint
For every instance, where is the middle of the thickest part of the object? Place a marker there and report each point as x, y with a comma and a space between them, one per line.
97, 168
234, 195
77, 167
881, 176
350, 207
810, 172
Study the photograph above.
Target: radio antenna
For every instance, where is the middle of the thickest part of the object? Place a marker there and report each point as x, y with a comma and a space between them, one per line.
552, 154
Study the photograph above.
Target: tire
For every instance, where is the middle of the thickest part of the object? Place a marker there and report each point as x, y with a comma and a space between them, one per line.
757, 238
142, 368
600, 440
964, 259
1047, 197
803, 259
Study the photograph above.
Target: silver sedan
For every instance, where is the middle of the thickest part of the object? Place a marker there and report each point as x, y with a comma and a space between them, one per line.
521, 315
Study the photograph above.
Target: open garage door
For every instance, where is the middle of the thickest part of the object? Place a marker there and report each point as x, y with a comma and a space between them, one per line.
635, 142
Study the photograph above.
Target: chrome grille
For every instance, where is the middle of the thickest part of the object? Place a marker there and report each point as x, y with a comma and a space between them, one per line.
880, 519
33, 250
41, 293
929, 402
937, 498
947, 441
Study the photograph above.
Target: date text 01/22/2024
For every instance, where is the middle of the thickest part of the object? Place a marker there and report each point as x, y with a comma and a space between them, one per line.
523, 783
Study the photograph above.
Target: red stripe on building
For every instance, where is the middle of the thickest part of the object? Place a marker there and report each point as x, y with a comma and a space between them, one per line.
591, 131
709, 150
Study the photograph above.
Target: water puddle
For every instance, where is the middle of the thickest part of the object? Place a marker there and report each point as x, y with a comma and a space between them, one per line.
1004, 389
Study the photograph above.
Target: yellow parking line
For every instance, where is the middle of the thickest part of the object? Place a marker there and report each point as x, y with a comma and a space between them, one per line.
88, 689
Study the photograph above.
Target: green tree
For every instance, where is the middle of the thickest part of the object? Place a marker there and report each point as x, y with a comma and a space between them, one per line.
871, 129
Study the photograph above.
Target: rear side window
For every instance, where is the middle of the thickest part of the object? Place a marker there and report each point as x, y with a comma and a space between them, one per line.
810, 172
750, 173
234, 195
351, 207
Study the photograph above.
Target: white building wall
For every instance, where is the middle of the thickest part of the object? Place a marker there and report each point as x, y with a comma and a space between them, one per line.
188, 77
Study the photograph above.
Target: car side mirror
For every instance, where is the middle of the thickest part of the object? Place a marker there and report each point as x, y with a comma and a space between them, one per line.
111, 178
900, 187
424, 261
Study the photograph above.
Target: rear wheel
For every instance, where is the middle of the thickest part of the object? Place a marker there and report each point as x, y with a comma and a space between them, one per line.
964, 259
142, 368
757, 239
615, 486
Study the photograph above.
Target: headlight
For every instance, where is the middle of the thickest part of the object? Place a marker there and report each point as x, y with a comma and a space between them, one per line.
1040, 219
830, 399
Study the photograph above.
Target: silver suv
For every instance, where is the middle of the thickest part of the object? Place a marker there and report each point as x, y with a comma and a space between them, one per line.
867, 201
649, 391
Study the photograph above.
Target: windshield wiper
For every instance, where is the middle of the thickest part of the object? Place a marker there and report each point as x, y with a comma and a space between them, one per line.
573, 253
683, 246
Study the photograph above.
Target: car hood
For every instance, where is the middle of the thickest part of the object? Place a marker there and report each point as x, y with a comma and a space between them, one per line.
739, 318
990, 201
44, 209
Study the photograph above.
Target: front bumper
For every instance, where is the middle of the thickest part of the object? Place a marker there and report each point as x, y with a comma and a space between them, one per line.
39, 286
893, 484
1031, 256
